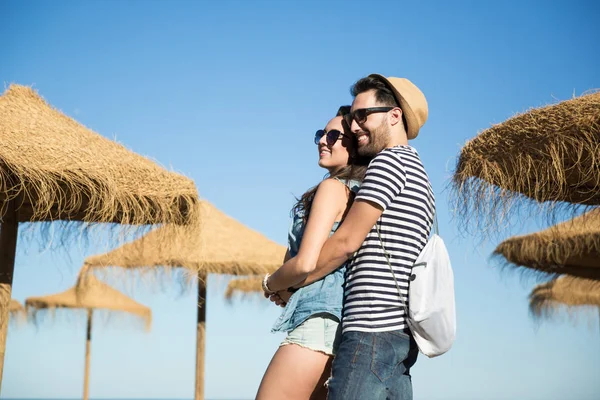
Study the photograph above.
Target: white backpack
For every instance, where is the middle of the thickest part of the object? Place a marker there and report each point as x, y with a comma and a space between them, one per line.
431, 314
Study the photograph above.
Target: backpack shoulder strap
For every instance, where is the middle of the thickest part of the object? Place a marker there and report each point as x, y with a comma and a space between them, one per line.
387, 257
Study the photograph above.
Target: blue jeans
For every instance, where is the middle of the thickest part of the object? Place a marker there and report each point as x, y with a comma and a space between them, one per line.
373, 365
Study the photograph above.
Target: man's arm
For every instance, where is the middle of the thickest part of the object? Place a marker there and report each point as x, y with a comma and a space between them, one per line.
339, 247
346, 240
384, 180
329, 202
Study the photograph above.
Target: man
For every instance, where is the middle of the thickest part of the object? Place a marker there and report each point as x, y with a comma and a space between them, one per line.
393, 210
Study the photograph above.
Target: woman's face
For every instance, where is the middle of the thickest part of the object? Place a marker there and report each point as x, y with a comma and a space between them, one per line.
333, 156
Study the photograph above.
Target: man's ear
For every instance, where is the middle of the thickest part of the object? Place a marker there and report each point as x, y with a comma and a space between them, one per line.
395, 116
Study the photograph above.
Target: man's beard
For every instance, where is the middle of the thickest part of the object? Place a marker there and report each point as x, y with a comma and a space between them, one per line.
378, 140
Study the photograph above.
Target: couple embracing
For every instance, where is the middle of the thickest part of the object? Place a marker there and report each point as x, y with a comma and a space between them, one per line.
352, 244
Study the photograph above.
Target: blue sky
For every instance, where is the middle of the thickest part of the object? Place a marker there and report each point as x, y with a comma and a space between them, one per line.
230, 93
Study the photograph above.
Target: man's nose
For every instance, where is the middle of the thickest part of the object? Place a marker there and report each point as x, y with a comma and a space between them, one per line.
355, 127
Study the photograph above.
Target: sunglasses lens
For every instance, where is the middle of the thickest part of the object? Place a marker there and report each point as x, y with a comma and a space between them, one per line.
318, 135
360, 115
332, 136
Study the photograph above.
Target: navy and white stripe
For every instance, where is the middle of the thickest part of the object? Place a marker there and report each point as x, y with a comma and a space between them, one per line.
395, 180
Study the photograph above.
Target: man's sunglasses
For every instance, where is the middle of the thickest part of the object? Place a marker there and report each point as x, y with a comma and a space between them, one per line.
331, 137
361, 115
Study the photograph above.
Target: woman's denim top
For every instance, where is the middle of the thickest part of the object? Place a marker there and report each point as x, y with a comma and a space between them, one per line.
322, 296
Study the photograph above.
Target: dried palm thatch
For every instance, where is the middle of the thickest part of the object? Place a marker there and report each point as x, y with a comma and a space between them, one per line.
15, 309
245, 286
217, 244
53, 168
564, 292
59, 169
89, 294
571, 247
549, 154
15, 306
16, 314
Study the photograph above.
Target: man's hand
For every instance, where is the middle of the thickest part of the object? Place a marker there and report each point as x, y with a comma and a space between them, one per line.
280, 298
284, 295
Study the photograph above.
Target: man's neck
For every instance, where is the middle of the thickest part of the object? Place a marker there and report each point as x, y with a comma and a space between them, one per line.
397, 140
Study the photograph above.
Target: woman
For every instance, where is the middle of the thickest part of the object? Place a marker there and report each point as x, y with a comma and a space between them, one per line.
302, 363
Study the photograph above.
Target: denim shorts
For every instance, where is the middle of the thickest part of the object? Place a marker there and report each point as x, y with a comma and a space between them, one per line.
318, 333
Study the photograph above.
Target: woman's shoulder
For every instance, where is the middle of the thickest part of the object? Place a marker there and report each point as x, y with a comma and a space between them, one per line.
332, 188
352, 184
332, 184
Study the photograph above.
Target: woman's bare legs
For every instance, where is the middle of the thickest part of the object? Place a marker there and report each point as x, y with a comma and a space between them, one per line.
295, 372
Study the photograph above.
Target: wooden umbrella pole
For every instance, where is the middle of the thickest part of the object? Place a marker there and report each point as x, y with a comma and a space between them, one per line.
9, 227
200, 337
86, 376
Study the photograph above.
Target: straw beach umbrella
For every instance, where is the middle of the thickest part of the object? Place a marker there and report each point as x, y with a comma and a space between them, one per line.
218, 244
565, 291
15, 307
90, 296
16, 310
571, 247
53, 168
250, 285
549, 154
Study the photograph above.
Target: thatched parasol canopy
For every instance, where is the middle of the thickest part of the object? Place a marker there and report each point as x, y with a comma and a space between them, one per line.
89, 294
59, 169
565, 291
53, 168
15, 309
549, 154
92, 295
571, 247
217, 244
250, 285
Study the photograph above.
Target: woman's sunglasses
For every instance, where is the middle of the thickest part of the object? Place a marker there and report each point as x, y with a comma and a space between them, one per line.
361, 115
331, 137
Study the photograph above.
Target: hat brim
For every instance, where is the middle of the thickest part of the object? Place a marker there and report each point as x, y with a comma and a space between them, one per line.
412, 125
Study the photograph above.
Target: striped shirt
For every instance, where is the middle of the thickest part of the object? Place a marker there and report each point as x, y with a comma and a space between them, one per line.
396, 181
